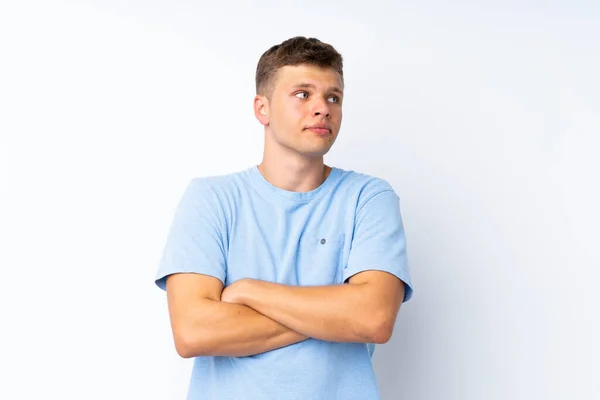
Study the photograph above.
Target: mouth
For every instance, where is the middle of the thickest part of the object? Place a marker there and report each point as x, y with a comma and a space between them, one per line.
320, 129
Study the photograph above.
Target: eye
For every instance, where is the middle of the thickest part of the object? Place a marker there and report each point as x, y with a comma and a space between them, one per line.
302, 95
334, 99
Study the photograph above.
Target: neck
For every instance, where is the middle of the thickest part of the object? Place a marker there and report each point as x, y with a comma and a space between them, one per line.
295, 174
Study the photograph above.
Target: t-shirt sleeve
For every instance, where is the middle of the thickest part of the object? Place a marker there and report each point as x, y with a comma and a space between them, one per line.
195, 242
379, 242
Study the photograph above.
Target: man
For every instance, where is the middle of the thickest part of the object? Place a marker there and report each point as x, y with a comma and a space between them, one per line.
281, 278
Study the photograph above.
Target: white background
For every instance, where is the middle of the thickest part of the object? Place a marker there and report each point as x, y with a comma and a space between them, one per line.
484, 117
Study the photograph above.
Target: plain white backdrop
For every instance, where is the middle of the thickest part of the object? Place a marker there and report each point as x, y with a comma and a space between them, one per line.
484, 117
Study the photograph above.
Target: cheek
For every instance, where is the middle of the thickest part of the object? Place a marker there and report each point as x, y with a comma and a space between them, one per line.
338, 114
289, 114
298, 108
293, 114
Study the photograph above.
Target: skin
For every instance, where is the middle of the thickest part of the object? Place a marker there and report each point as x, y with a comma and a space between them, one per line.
251, 316
303, 96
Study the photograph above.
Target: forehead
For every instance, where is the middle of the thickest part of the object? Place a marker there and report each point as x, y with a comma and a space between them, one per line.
293, 75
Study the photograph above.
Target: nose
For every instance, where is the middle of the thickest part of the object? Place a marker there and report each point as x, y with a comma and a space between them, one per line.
321, 108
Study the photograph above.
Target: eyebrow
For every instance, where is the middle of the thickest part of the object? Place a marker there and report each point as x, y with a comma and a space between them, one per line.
311, 86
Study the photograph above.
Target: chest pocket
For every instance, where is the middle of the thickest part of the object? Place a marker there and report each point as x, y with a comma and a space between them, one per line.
320, 259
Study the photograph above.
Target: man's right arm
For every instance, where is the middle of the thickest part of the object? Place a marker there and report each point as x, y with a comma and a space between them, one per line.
204, 326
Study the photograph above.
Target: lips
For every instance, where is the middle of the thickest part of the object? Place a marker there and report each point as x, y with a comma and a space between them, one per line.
320, 129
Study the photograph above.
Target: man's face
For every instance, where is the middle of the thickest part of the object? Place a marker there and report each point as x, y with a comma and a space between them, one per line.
305, 109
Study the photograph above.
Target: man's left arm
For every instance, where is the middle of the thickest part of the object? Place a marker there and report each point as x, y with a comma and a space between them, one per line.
362, 310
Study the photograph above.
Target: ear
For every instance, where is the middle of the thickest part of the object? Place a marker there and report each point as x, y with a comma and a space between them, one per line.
261, 109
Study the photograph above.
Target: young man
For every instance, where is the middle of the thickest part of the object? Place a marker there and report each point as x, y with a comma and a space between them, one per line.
281, 278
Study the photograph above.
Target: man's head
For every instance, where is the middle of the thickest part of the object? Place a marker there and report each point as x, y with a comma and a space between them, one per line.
299, 86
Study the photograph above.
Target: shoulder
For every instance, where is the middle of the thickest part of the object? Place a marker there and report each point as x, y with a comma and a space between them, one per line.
212, 193
363, 187
217, 186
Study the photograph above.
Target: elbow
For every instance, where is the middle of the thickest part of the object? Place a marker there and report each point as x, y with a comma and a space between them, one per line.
183, 346
183, 352
189, 346
381, 336
381, 330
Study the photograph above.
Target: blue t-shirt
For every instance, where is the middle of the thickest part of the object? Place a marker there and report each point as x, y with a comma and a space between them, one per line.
241, 226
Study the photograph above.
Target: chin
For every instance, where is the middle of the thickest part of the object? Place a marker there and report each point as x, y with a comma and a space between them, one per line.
309, 149
315, 152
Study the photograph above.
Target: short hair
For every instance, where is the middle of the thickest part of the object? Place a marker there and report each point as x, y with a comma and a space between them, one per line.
295, 51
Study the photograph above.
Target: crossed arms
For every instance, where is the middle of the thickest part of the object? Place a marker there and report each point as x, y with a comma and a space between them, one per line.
250, 316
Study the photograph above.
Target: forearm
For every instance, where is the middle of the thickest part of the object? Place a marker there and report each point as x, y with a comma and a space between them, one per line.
233, 330
338, 313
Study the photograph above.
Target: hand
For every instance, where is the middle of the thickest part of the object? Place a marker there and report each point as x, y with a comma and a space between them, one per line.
234, 293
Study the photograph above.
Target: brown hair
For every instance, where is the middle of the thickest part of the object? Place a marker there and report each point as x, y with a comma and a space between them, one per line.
295, 51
